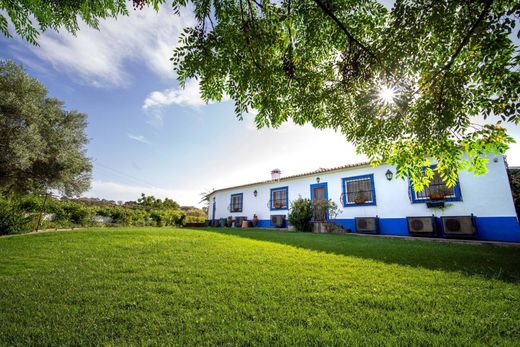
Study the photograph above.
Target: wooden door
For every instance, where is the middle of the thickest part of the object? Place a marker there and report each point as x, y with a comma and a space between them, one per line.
320, 214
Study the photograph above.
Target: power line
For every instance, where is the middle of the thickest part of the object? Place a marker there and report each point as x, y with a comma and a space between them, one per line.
139, 180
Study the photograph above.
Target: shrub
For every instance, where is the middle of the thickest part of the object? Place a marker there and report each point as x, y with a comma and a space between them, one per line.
330, 207
300, 214
79, 214
12, 219
30, 203
120, 216
167, 217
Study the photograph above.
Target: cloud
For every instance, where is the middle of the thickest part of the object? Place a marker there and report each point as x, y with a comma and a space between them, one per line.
139, 138
98, 57
123, 192
187, 96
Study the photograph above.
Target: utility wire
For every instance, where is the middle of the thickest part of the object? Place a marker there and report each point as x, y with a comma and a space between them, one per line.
139, 180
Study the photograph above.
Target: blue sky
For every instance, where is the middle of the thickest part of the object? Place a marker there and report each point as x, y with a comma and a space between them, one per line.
146, 134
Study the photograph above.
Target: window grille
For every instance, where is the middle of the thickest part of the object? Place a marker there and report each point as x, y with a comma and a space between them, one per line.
359, 190
236, 203
279, 198
436, 187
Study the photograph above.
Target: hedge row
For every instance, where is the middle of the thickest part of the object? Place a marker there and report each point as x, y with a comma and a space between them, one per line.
22, 215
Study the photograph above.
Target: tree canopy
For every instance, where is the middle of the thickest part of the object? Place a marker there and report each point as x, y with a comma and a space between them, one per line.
425, 81
42, 145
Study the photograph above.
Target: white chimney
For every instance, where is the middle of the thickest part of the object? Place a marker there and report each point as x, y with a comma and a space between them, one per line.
275, 174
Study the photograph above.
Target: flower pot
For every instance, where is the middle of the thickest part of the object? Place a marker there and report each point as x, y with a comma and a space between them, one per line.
255, 220
245, 224
359, 201
436, 196
277, 205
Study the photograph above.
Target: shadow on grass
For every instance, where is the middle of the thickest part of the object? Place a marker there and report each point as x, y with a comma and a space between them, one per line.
483, 260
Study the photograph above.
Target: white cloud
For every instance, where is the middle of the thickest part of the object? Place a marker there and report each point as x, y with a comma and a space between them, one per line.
123, 192
98, 57
188, 96
138, 138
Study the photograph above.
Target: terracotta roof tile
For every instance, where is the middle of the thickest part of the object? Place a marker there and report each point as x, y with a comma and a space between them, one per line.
320, 170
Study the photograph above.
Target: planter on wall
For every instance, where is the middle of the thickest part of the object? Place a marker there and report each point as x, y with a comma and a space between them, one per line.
436, 196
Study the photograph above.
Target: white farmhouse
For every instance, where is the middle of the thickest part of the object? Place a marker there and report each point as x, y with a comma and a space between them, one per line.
373, 201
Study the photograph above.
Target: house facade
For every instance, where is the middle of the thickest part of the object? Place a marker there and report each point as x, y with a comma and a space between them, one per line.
365, 193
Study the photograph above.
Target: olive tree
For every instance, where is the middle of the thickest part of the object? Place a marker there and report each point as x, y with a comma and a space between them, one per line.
42, 146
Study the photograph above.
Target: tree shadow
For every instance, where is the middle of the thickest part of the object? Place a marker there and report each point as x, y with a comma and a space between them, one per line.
492, 262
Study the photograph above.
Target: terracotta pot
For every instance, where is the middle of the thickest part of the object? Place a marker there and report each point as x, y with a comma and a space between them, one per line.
436, 196
359, 201
255, 220
277, 205
245, 224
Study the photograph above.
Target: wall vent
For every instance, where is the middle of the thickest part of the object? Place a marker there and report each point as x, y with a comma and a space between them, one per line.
459, 226
367, 225
238, 221
422, 226
278, 220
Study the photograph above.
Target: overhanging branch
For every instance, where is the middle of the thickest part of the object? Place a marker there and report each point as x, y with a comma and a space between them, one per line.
346, 31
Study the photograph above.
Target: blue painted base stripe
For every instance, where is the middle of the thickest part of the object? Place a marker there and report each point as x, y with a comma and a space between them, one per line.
266, 223
498, 228
488, 228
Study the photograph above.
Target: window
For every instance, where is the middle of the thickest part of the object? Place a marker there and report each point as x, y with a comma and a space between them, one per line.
437, 190
359, 190
280, 198
236, 202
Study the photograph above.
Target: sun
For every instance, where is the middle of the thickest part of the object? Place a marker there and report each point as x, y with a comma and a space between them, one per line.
387, 94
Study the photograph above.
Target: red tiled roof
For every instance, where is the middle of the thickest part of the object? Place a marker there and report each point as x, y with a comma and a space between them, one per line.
321, 170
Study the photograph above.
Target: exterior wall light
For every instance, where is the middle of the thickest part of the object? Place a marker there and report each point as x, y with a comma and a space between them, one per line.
389, 175
317, 180
255, 193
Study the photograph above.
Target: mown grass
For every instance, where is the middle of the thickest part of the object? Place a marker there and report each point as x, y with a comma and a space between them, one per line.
178, 286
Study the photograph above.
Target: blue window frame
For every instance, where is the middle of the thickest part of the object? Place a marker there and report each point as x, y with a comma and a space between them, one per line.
279, 199
236, 202
436, 191
358, 191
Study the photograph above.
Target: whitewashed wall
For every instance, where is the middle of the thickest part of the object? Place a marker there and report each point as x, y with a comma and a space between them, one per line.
484, 196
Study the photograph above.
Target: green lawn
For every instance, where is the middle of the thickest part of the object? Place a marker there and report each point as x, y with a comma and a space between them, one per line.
180, 286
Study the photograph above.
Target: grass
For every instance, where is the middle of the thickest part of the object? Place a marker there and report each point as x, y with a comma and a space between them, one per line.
205, 287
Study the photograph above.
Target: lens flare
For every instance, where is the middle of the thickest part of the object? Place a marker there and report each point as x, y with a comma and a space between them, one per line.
387, 94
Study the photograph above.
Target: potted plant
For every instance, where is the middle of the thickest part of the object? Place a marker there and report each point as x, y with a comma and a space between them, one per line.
359, 198
438, 194
255, 220
277, 204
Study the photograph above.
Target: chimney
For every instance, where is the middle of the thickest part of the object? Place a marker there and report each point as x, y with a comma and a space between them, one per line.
275, 174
